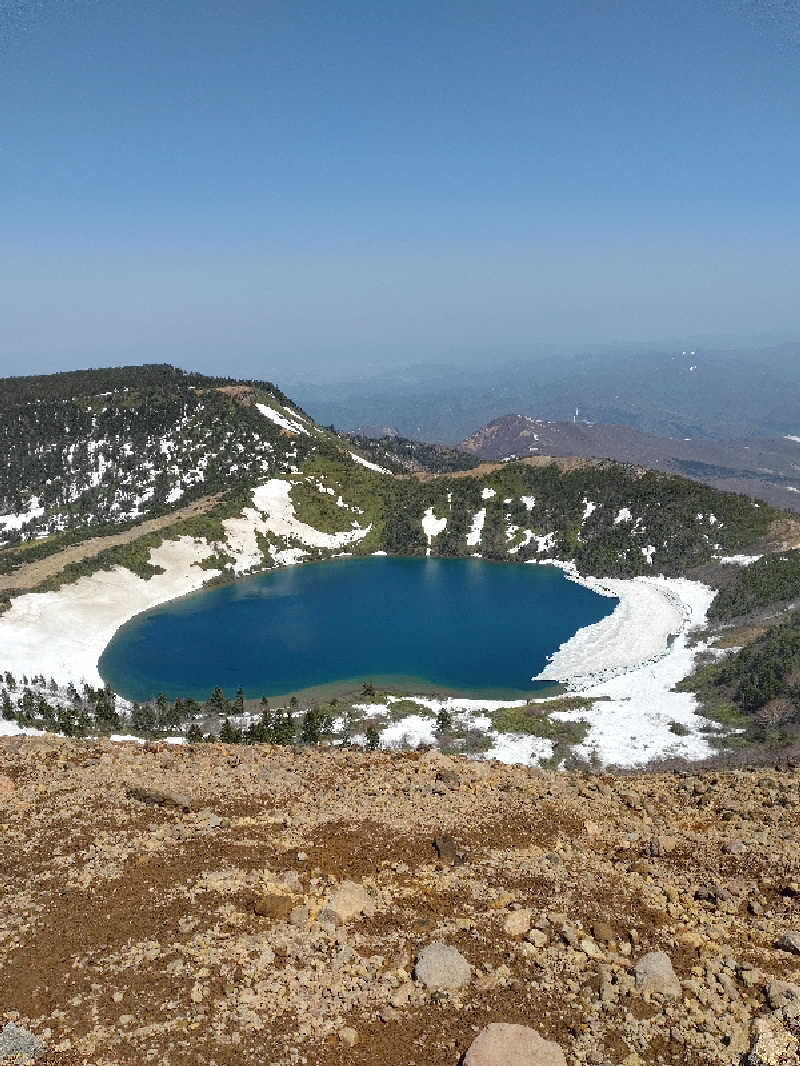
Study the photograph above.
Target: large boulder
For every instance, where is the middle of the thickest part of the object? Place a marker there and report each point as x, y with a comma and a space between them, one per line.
501, 1044
654, 973
442, 968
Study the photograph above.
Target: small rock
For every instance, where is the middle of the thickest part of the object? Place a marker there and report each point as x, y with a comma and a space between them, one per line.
790, 941
517, 923
349, 901
603, 932
654, 973
779, 993
6, 786
299, 916
348, 1036
537, 937
442, 968
447, 850
734, 847
401, 996
17, 1043
272, 905
158, 797
589, 948
501, 1044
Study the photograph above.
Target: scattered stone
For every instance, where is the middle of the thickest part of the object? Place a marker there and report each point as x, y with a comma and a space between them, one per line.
790, 941
447, 850
348, 1036
501, 1044
401, 996
537, 937
299, 916
654, 973
442, 968
780, 993
603, 932
158, 797
349, 901
517, 923
272, 905
18, 1044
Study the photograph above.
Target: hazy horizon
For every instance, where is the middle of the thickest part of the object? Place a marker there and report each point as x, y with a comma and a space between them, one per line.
314, 194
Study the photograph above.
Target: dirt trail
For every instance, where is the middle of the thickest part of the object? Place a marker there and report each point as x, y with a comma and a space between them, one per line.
32, 574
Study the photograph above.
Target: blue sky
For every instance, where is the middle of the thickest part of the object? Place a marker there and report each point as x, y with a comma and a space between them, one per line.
291, 190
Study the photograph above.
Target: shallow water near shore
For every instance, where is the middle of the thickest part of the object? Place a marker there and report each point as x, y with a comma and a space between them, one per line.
462, 626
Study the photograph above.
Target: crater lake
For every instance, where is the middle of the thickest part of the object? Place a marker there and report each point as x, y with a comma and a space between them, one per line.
456, 626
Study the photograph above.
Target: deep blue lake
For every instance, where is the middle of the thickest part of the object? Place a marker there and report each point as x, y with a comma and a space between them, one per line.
461, 626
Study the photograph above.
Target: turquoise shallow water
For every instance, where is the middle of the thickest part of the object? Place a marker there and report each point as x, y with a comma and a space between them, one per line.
456, 625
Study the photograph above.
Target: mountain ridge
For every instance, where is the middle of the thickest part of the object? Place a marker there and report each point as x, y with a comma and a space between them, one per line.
762, 468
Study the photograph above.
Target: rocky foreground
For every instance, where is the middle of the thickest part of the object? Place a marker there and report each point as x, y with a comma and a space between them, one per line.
225, 905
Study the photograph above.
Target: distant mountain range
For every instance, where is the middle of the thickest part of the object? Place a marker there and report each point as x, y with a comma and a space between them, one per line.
767, 469
721, 395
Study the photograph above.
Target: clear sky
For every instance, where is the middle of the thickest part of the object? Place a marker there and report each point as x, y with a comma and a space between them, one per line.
273, 188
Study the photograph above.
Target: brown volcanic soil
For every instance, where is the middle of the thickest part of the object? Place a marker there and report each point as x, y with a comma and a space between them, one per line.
128, 932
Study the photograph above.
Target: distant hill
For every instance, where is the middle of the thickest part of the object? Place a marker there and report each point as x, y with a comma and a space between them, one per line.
761, 468
717, 394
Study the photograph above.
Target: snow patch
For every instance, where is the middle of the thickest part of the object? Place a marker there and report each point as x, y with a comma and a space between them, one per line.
368, 464
279, 420
432, 526
476, 529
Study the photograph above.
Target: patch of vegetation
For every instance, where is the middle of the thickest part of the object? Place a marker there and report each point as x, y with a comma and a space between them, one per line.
679, 729
319, 510
755, 690
463, 741
770, 581
400, 709
533, 722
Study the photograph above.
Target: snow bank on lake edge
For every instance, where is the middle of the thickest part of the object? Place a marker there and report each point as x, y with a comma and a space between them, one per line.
629, 663
626, 665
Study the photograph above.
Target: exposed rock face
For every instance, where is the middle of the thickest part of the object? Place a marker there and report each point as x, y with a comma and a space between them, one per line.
518, 922
654, 973
442, 968
500, 1044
